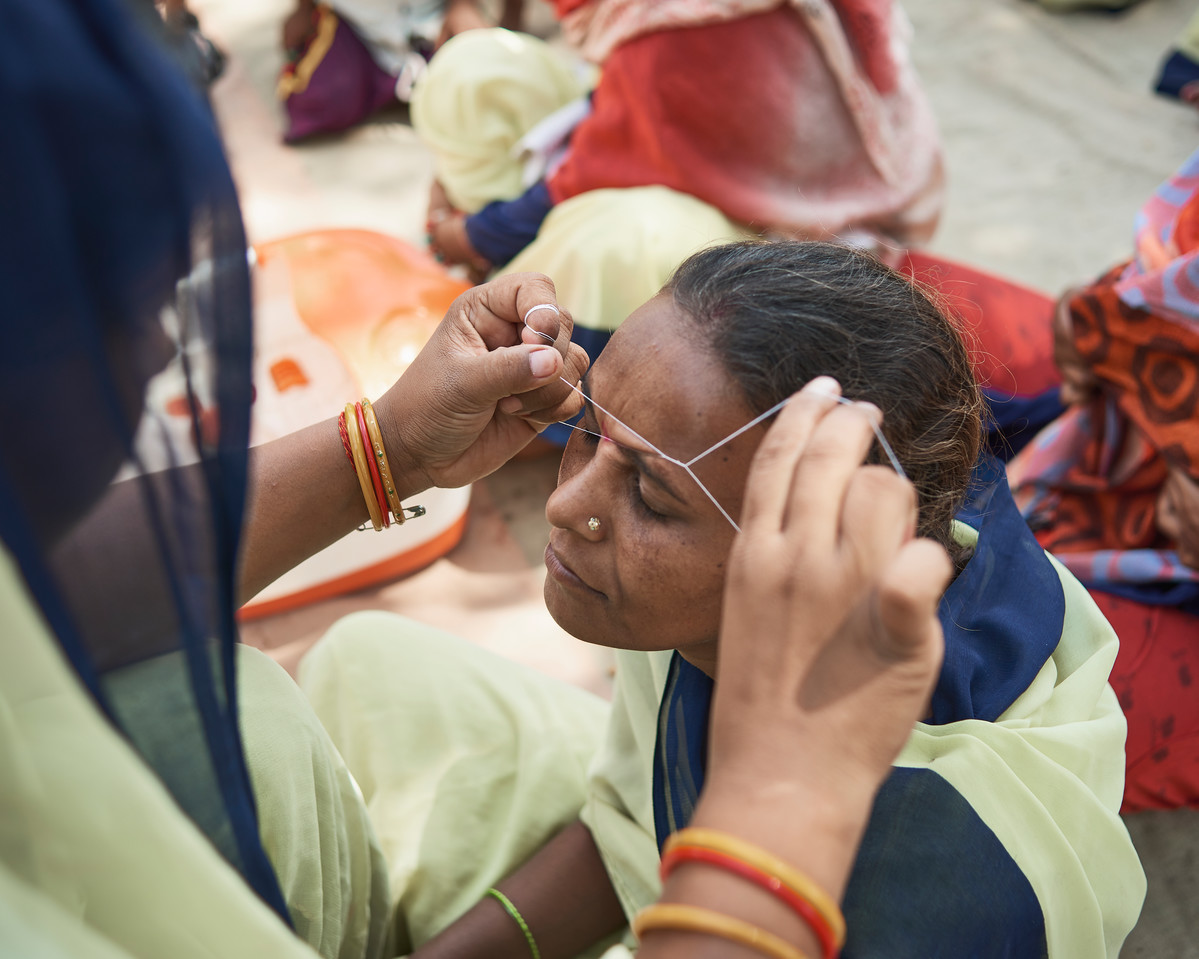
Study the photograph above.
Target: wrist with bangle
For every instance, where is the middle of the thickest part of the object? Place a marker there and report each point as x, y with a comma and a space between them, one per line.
362, 441
737, 857
512, 911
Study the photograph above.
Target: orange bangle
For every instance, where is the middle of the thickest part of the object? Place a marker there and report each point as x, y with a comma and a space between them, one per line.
376, 480
362, 468
678, 854
681, 918
765, 862
376, 438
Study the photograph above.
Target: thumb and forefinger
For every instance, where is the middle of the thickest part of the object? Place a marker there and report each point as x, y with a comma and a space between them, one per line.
527, 361
518, 308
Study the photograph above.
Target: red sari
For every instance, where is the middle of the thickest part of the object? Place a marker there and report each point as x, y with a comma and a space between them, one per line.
793, 122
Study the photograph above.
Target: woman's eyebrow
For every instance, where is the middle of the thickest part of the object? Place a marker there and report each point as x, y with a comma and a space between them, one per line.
585, 392
639, 459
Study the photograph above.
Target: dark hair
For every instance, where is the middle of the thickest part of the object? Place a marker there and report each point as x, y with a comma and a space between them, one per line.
777, 314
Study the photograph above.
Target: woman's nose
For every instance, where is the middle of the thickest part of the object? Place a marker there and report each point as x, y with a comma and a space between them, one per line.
579, 503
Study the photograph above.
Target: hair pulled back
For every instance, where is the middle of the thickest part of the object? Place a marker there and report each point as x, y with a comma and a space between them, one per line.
778, 314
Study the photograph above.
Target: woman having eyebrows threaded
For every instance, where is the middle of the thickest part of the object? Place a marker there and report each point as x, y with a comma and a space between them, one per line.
996, 831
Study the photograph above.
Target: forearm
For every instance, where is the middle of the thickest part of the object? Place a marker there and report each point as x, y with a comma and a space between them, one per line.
564, 895
302, 495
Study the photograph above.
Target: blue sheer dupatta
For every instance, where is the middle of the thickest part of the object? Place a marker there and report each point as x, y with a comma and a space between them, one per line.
125, 350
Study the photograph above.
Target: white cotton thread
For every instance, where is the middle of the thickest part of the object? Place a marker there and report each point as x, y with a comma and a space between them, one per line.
534, 309
686, 466
541, 306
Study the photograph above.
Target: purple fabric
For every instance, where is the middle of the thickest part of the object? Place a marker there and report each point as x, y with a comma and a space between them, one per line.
346, 87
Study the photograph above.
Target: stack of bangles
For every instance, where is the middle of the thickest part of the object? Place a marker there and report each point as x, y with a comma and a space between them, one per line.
362, 440
754, 864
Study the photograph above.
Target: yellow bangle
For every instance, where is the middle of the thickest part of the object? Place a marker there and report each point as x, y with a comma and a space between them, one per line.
361, 467
768, 863
673, 915
376, 435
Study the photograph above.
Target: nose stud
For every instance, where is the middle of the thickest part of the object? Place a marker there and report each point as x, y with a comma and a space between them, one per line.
593, 524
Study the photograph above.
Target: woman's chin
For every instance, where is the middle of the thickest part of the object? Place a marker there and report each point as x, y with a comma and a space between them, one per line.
591, 623
568, 611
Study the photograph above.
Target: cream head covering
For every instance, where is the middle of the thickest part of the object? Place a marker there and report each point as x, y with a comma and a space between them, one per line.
609, 251
483, 91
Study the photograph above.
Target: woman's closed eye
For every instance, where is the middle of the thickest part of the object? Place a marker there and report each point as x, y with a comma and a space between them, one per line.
637, 483
637, 479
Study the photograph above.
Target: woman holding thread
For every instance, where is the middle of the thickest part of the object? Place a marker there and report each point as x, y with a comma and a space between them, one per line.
164, 792
995, 834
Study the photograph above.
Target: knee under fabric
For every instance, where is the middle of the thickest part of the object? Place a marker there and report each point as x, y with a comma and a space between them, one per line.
484, 90
311, 818
313, 822
468, 762
107, 864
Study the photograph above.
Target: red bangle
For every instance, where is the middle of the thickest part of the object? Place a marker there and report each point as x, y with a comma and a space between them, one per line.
384, 508
345, 439
772, 884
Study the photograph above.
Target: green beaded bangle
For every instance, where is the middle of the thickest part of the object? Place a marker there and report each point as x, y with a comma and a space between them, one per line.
520, 920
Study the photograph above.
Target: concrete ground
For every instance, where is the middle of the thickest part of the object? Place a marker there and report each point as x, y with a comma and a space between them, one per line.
1053, 140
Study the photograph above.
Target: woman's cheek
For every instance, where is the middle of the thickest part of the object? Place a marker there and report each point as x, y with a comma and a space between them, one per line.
686, 583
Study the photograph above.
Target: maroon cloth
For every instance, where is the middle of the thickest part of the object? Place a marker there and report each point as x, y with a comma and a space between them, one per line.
344, 87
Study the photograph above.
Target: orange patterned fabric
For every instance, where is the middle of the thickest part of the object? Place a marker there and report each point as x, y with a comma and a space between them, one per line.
1090, 482
1150, 364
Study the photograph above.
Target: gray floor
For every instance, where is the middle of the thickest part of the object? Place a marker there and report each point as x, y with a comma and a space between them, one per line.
1052, 134
1169, 846
1053, 140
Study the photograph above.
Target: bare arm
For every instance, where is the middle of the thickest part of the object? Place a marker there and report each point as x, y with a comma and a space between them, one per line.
302, 495
460, 16
563, 894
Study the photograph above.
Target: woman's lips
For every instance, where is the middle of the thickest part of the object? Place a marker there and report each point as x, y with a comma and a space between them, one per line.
564, 574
